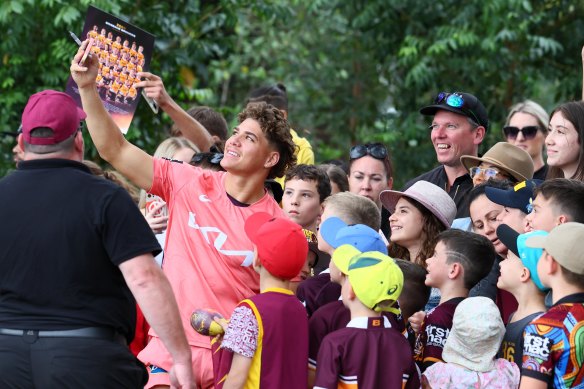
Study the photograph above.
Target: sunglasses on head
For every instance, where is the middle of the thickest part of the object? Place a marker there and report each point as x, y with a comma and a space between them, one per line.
529, 132
489, 172
455, 100
213, 158
376, 150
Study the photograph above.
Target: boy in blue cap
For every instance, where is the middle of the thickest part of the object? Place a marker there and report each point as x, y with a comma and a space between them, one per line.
519, 277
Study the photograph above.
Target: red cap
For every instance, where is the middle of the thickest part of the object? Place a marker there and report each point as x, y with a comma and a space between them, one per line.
282, 246
54, 110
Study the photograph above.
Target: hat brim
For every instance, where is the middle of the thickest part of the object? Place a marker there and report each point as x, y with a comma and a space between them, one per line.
342, 257
501, 196
389, 199
329, 229
508, 236
432, 109
253, 223
470, 161
536, 242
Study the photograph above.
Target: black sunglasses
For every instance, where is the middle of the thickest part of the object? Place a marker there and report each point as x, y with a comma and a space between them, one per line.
376, 150
529, 132
213, 158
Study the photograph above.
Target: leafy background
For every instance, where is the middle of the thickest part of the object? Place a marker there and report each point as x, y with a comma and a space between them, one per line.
355, 70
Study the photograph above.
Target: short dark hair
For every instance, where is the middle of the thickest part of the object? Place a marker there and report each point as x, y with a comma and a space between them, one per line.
567, 195
474, 252
573, 278
276, 129
212, 120
45, 132
272, 94
479, 190
415, 293
337, 175
311, 173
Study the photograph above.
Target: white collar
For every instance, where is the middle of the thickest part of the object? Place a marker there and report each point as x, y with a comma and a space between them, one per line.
362, 321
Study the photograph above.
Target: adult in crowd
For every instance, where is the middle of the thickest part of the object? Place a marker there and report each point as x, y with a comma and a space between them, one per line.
565, 141
338, 178
526, 127
207, 258
370, 173
503, 161
459, 125
72, 257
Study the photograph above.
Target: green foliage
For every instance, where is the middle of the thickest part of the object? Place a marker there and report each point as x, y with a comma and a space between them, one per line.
355, 71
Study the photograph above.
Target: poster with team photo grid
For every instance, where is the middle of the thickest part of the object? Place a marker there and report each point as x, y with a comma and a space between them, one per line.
123, 50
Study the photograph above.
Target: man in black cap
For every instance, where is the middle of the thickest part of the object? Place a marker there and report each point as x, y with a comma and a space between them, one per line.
76, 255
459, 126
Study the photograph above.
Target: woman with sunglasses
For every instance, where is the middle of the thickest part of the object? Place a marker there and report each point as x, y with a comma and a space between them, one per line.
526, 128
371, 172
503, 161
565, 141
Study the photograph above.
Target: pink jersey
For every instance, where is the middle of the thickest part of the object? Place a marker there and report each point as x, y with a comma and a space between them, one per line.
208, 256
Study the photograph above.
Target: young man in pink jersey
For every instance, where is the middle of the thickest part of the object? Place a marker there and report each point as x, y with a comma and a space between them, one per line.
208, 258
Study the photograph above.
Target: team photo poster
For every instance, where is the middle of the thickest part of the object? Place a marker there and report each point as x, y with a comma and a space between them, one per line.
123, 50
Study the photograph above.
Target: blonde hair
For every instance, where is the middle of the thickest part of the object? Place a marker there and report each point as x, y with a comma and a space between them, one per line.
167, 149
354, 209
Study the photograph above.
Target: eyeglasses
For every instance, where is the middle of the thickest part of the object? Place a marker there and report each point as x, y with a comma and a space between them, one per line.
489, 172
529, 132
376, 150
212, 158
455, 100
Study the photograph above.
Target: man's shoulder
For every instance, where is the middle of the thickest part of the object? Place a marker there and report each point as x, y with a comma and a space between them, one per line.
436, 176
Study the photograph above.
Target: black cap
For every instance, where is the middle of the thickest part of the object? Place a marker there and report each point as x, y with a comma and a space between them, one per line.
276, 189
470, 106
508, 236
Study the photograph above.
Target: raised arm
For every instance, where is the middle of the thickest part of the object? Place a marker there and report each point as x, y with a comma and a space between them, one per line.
189, 126
128, 159
154, 295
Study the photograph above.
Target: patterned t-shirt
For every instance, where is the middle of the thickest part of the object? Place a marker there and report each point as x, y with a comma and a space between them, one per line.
241, 336
553, 349
434, 332
505, 375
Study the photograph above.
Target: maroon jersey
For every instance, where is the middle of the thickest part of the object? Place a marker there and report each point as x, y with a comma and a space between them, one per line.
282, 344
335, 316
434, 332
315, 292
366, 354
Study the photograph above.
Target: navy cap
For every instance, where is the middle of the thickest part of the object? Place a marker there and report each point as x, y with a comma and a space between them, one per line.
518, 197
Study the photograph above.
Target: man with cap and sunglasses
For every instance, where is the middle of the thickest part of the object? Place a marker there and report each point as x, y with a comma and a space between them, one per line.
73, 254
459, 125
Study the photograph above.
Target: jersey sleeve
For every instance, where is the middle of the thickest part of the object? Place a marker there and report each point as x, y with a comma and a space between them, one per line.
124, 231
538, 361
317, 330
329, 364
242, 332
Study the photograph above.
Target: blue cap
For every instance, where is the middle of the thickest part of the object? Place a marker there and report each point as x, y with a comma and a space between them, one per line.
529, 256
518, 197
337, 233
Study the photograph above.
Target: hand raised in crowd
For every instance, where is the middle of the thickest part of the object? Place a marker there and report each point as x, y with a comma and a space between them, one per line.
156, 219
416, 320
85, 74
153, 87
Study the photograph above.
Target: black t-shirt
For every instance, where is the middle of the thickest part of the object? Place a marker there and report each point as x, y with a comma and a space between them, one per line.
512, 345
64, 234
458, 191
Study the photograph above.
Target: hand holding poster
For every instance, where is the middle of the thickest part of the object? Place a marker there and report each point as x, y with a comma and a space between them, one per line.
123, 50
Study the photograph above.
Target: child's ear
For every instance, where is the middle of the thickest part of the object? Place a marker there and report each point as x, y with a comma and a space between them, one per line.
350, 292
525, 275
455, 271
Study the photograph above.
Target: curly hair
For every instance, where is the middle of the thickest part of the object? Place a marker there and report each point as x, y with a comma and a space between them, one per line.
431, 227
276, 129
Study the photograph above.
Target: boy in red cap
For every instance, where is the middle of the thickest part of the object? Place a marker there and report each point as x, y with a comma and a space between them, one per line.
266, 342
